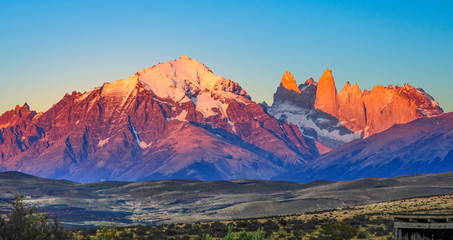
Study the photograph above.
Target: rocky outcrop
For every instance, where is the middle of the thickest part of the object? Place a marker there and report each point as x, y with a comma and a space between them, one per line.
304, 96
386, 108
13, 125
335, 119
315, 124
288, 82
326, 94
374, 111
352, 111
173, 120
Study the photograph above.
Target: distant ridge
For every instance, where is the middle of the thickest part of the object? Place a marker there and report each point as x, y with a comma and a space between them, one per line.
332, 118
176, 119
422, 146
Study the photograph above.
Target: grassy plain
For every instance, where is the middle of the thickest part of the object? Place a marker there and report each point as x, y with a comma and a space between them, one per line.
370, 221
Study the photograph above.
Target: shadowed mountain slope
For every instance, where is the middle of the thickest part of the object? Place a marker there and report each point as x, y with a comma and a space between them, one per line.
176, 119
422, 146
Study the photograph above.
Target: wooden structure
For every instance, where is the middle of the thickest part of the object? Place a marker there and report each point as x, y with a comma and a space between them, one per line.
423, 226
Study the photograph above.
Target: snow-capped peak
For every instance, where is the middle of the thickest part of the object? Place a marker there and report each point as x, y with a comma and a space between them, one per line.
181, 79
185, 57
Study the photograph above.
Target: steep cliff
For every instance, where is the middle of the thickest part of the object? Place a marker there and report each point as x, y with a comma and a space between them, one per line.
173, 120
335, 119
326, 94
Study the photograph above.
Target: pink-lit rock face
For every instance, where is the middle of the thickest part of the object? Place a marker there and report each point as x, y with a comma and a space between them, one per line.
322, 148
352, 108
364, 113
377, 110
173, 120
13, 124
289, 82
326, 94
386, 108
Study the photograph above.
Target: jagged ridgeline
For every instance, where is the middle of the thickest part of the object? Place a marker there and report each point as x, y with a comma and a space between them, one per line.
332, 118
178, 119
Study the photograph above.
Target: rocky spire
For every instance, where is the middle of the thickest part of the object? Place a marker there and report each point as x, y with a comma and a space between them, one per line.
311, 81
289, 82
352, 113
326, 94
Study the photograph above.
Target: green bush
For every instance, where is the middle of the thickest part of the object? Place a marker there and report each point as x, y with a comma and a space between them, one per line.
105, 233
337, 231
361, 235
206, 237
28, 224
259, 235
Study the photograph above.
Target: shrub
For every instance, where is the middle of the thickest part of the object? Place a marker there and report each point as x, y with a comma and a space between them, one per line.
206, 237
252, 226
230, 235
358, 220
282, 222
218, 229
22, 223
379, 231
258, 235
140, 230
337, 231
361, 235
126, 235
105, 233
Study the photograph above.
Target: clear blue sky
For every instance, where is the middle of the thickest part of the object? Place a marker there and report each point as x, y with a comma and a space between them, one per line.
48, 48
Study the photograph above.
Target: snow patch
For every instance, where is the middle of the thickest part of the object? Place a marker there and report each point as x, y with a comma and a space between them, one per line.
321, 120
82, 97
103, 142
205, 104
38, 115
182, 116
144, 145
100, 163
231, 125
121, 89
140, 143
135, 133
300, 117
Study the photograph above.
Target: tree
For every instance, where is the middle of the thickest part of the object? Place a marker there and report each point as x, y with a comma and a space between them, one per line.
22, 223
337, 231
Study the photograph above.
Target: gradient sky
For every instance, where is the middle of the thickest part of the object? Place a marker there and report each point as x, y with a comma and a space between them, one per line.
48, 48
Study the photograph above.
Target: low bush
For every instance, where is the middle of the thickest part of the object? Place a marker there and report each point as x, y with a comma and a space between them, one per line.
22, 223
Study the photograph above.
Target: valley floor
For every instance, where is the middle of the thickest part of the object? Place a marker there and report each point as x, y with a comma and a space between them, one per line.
371, 221
188, 201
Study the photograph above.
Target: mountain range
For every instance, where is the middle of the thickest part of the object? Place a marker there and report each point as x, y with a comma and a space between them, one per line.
178, 119
333, 118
